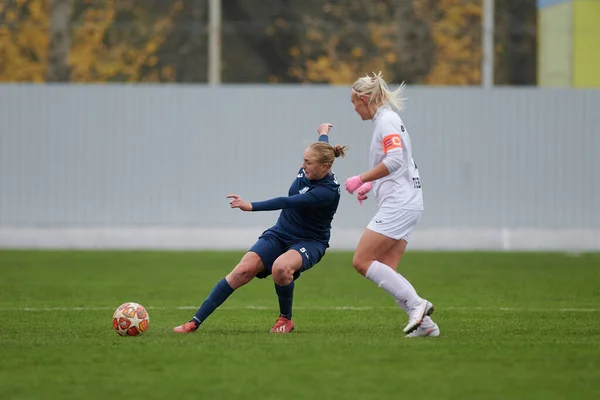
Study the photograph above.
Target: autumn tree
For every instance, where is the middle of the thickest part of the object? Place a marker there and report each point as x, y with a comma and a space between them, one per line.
23, 40
334, 41
85, 40
455, 26
182, 55
118, 40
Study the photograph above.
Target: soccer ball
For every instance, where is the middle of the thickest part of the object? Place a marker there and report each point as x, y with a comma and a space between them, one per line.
130, 319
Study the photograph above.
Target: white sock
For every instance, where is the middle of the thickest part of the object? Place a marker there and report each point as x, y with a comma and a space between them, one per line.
393, 283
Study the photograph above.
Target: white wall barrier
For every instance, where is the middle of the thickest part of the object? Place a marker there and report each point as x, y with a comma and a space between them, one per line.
147, 166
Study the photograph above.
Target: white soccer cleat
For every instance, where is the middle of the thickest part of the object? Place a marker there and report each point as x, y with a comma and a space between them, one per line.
421, 331
416, 315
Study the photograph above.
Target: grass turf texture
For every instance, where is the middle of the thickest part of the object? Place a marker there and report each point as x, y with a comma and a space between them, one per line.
506, 330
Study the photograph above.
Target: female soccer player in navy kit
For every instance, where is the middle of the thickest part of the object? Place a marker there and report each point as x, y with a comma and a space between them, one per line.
294, 244
394, 178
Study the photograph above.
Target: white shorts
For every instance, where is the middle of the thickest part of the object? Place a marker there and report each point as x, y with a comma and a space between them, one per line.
395, 223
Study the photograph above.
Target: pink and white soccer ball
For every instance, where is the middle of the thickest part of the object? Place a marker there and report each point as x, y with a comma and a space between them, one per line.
131, 319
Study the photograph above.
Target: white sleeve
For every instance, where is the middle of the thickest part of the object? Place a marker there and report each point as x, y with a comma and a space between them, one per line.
394, 160
392, 145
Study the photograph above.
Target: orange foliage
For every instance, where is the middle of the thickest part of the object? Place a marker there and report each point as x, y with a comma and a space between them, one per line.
100, 49
101, 53
338, 51
386, 39
457, 37
24, 40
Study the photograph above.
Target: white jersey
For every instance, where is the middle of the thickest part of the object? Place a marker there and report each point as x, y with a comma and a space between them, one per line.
401, 189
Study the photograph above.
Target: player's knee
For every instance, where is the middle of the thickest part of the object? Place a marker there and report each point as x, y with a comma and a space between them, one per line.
242, 274
283, 273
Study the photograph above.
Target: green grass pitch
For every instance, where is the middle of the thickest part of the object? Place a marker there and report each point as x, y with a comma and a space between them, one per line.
514, 326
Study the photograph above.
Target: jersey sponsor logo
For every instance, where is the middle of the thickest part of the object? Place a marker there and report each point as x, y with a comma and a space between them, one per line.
300, 175
304, 190
416, 183
391, 141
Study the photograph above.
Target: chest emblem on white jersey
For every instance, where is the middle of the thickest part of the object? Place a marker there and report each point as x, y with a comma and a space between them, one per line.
304, 190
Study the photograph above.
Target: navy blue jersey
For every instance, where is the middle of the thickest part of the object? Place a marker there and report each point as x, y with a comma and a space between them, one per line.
308, 210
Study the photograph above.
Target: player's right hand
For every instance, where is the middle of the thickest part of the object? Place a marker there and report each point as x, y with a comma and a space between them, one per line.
353, 183
324, 128
240, 203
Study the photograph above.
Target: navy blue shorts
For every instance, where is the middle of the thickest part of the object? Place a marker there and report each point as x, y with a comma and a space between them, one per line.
271, 245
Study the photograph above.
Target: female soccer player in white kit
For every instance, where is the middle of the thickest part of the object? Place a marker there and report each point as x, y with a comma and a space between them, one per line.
394, 179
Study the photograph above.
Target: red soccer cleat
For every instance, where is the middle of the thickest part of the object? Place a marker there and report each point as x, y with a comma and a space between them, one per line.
282, 325
188, 327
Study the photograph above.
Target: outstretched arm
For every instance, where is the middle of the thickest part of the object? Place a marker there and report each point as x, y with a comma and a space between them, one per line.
278, 203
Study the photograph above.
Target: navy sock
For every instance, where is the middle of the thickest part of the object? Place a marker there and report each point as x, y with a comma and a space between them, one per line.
286, 298
217, 296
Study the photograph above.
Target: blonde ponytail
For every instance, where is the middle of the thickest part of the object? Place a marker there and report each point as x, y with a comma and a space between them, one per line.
377, 89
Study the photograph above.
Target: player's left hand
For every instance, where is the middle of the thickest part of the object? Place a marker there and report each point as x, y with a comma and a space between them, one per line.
353, 183
240, 203
324, 128
361, 193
